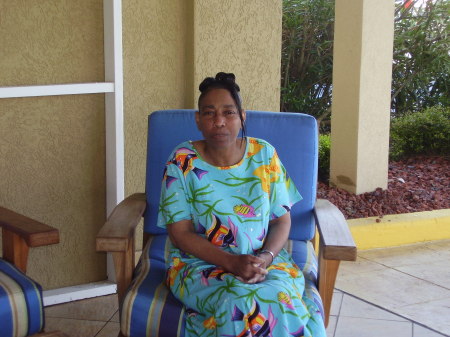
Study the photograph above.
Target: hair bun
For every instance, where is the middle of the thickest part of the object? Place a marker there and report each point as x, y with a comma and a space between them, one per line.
227, 78
222, 80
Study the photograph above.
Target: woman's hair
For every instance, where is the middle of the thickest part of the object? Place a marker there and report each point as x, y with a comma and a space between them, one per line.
225, 81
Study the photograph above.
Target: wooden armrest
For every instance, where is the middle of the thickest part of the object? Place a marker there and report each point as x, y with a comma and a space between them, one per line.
336, 241
34, 233
336, 244
117, 236
19, 233
118, 230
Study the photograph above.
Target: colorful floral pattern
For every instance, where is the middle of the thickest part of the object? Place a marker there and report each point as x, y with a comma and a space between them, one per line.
231, 207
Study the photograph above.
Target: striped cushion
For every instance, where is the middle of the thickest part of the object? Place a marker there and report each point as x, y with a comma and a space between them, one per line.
305, 257
21, 310
149, 309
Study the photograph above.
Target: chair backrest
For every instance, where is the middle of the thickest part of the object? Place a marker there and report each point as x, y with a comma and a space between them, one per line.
293, 135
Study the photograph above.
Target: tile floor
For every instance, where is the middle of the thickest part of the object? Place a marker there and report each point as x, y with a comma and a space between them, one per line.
401, 292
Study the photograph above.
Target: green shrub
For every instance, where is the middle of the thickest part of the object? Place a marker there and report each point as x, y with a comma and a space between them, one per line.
423, 132
324, 157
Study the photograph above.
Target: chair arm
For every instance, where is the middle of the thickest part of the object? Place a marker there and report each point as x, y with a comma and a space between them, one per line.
336, 241
34, 233
335, 244
117, 236
116, 233
19, 233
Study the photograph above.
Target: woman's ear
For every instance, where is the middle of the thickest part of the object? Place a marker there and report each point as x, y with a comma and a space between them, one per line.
197, 118
244, 115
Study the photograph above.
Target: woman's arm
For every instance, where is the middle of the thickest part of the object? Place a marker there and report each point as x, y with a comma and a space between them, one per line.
183, 236
276, 237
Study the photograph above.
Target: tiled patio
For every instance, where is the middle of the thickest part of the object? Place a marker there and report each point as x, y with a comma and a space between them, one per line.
401, 292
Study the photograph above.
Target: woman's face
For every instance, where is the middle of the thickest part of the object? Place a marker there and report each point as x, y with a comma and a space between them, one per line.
218, 118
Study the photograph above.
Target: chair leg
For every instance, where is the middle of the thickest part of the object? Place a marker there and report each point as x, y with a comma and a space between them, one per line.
327, 277
123, 266
15, 249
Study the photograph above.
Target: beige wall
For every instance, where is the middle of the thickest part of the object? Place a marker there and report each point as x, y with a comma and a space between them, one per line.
52, 148
243, 37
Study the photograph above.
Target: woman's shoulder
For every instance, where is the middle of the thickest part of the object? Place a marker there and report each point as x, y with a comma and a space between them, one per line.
258, 145
184, 148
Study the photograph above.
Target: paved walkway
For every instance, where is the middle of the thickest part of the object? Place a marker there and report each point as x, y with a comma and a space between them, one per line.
399, 292
412, 282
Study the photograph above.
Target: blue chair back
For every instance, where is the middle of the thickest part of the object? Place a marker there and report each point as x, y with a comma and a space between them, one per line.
293, 135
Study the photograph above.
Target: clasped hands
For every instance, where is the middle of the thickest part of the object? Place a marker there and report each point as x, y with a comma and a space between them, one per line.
249, 268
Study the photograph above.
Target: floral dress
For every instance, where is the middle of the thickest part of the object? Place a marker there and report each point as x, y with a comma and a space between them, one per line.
231, 207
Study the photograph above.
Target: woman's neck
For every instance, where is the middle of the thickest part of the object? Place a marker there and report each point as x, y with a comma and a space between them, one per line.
221, 156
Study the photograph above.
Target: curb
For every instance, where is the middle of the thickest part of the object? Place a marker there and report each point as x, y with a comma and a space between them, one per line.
400, 229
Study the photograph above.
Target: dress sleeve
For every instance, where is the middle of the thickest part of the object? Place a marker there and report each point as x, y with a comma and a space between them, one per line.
283, 193
173, 203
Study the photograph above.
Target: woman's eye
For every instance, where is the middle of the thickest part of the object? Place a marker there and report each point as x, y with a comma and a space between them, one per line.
230, 112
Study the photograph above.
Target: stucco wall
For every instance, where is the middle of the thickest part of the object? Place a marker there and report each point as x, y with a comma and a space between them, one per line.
52, 149
243, 37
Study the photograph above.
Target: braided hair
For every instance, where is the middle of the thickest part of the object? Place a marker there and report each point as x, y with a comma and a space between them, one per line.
225, 81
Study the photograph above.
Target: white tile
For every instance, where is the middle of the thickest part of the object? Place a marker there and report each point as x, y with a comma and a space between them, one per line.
436, 272
443, 245
336, 303
74, 327
363, 327
331, 326
390, 288
353, 307
403, 255
433, 314
361, 265
110, 329
116, 317
419, 331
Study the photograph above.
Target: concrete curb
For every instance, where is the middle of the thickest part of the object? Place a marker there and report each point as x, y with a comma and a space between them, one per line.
400, 229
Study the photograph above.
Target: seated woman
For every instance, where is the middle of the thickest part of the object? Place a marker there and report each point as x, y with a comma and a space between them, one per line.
225, 202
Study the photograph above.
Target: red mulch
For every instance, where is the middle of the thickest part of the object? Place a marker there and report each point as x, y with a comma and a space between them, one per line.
415, 185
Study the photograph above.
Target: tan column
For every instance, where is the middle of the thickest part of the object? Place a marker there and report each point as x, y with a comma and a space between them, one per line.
362, 73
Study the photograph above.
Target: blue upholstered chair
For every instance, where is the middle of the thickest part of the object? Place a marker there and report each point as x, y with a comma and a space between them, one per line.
21, 306
147, 306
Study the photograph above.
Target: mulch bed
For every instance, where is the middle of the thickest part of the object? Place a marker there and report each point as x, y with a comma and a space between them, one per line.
415, 185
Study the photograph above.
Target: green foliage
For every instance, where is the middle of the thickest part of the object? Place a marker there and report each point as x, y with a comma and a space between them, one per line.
324, 157
307, 56
426, 132
420, 74
421, 67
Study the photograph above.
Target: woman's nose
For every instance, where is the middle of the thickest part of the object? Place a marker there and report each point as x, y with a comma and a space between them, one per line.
219, 120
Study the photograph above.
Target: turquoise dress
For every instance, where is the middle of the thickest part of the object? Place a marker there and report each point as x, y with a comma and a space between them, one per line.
231, 207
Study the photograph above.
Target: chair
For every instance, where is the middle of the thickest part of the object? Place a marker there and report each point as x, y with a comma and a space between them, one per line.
147, 306
21, 306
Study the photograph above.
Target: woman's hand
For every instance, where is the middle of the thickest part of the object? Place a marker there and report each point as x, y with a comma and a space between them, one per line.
247, 268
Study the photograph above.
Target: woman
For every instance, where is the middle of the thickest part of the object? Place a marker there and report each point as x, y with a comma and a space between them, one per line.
225, 202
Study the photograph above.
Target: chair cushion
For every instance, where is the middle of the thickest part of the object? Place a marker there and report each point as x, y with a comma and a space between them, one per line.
150, 309
305, 257
21, 309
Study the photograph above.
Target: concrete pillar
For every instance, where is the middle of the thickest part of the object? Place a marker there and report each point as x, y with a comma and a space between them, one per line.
362, 71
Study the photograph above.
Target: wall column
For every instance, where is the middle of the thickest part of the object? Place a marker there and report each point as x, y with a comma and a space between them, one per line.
362, 71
